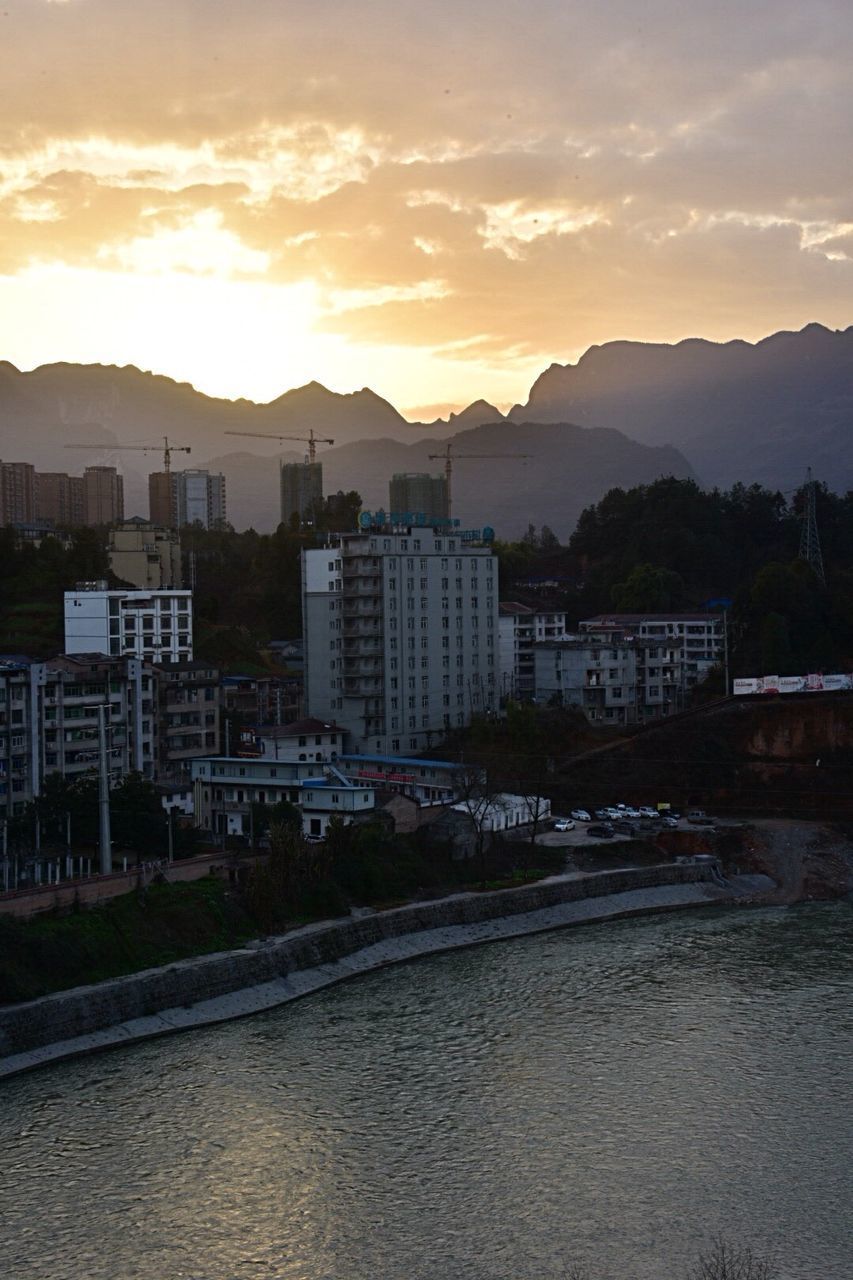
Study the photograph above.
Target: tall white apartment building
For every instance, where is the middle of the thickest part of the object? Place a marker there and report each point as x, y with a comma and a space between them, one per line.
400, 627
155, 625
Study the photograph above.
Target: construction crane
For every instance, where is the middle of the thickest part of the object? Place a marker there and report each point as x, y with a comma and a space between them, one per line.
311, 440
450, 458
167, 449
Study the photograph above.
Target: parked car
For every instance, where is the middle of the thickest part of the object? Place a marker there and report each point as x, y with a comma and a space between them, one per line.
581, 815
601, 830
564, 824
668, 821
699, 818
646, 811
602, 815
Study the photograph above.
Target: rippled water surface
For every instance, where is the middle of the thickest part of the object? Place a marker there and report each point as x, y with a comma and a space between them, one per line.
615, 1095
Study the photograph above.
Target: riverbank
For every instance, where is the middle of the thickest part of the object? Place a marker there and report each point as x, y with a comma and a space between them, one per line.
216, 988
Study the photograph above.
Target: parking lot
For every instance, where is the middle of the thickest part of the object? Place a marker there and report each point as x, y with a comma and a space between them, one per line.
639, 829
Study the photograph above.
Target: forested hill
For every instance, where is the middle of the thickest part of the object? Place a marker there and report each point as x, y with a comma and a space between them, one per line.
671, 546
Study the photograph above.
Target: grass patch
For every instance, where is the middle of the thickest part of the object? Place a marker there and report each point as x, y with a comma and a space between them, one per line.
139, 930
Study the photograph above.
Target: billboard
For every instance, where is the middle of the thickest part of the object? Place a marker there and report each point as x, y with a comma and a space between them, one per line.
815, 682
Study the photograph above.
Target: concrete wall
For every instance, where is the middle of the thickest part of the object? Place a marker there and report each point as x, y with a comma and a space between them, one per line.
83, 1011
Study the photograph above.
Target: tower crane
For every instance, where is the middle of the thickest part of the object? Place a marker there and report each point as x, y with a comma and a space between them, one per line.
167, 449
311, 440
450, 457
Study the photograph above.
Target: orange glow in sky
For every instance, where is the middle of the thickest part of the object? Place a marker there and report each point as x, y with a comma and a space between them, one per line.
433, 202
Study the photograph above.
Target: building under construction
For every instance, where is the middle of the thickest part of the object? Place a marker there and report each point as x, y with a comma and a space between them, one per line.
301, 491
411, 491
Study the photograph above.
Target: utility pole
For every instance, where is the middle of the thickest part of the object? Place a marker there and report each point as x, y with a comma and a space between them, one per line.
726, 648
104, 794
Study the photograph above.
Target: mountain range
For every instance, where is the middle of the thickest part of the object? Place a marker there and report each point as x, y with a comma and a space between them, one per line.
624, 414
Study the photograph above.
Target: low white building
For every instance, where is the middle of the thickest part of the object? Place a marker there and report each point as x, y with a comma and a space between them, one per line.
154, 625
225, 788
504, 811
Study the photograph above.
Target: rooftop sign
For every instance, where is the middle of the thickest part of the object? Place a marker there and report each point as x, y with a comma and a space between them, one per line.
420, 520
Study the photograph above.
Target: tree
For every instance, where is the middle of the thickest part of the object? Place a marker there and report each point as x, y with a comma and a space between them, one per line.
725, 1261
648, 589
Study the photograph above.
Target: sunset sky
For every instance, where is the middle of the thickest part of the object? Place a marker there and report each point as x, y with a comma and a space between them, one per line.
432, 199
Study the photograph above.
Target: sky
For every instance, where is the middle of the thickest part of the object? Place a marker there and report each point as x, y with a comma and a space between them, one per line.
433, 199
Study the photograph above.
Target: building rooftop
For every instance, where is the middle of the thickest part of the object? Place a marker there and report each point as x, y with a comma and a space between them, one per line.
511, 608
408, 761
628, 619
298, 728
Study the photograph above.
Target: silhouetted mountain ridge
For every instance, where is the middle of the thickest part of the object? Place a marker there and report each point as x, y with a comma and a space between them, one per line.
759, 411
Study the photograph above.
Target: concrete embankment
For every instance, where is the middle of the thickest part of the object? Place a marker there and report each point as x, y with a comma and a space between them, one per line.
215, 988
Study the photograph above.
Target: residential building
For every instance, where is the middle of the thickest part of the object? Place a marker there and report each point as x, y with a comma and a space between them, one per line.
189, 714
162, 503
20, 681
227, 787
103, 496
429, 782
629, 668
598, 675
34, 533
146, 555
73, 689
519, 629
177, 498
296, 743
261, 700
675, 651
416, 491
301, 491
155, 625
400, 627
49, 722
17, 493
200, 498
60, 498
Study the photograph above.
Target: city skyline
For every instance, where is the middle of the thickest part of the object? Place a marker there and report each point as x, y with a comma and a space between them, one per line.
430, 203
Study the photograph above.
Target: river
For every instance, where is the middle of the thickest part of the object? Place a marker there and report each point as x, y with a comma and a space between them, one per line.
616, 1096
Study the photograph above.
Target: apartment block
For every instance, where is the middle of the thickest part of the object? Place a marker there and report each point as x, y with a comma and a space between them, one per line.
103, 496
301, 491
629, 668
17, 493
20, 682
73, 689
146, 555
188, 713
177, 498
154, 625
519, 629
400, 627
411, 491
60, 498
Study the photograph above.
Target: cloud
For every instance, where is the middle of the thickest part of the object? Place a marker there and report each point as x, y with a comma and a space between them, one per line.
506, 180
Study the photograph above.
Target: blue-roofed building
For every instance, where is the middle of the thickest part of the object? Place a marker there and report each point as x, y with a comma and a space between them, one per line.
226, 787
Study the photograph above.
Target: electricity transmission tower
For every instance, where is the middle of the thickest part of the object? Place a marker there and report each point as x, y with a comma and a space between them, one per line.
809, 537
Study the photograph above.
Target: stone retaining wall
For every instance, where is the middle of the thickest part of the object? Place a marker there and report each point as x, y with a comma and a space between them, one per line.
69, 1015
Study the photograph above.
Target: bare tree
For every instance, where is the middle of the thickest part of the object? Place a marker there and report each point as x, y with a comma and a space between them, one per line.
725, 1261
